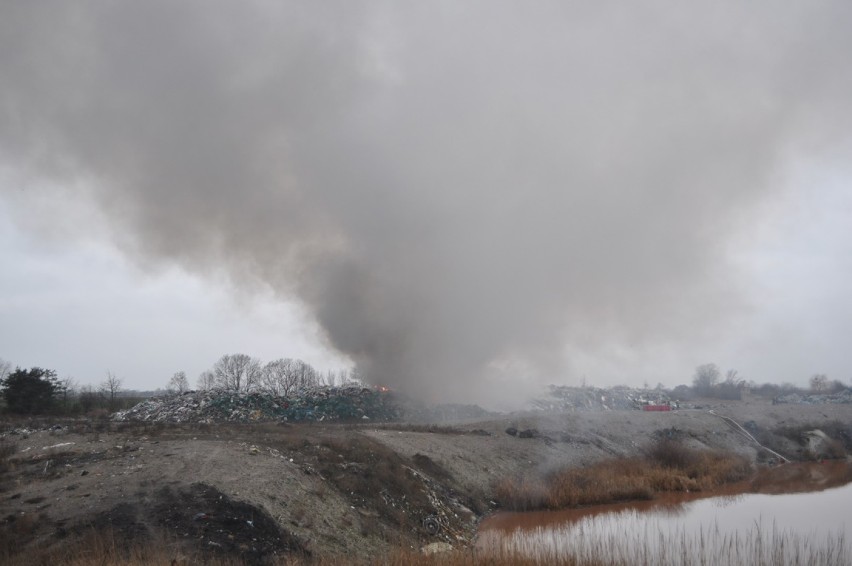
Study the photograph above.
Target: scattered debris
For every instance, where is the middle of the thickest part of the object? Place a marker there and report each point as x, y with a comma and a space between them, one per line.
347, 403
817, 441
565, 398
436, 548
60, 445
844, 396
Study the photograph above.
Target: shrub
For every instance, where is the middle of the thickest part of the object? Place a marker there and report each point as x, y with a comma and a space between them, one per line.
671, 453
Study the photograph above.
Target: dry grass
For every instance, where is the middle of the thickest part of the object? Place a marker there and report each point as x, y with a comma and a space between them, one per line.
103, 549
760, 546
466, 557
7, 449
668, 466
15, 532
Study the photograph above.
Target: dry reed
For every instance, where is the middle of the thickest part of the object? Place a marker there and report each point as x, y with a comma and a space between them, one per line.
667, 467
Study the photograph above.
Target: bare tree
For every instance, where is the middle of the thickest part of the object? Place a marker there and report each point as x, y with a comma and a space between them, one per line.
706, 376
819, 382
277, 378
306, 375
178, 383
731, 388
330, 378
206, 381
237, 372
88, 398
67, 390
355, 376
5, 368
110, 388
283, 377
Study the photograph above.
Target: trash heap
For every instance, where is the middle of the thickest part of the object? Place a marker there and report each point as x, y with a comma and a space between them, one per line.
348, 403
844, 396
565, 398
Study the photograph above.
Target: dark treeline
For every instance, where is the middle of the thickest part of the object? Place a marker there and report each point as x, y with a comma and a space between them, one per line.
38, 390
708, 381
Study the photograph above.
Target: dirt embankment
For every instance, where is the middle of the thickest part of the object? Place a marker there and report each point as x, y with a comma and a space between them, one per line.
264, 491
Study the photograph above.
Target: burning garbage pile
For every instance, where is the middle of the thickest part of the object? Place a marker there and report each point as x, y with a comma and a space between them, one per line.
347, 403
565, 398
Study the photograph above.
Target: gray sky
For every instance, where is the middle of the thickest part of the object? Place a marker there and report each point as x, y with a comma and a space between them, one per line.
465, 199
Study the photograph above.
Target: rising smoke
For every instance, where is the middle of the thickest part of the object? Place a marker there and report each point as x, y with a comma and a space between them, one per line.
456, 191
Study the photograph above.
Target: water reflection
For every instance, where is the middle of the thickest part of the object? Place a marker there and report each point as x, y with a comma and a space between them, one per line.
792, 514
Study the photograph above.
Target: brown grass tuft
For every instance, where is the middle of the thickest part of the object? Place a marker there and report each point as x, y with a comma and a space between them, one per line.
668, 467
7, 449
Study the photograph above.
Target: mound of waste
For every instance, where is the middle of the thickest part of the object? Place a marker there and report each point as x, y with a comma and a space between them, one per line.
844, 396
346, 403
565, 398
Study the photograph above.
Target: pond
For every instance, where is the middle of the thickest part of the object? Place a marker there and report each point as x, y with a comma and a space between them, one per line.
792, 514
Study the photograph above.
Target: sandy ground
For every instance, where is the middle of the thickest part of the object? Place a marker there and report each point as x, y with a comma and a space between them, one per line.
338, 489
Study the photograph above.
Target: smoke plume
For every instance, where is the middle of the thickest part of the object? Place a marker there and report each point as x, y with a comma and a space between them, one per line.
456, 191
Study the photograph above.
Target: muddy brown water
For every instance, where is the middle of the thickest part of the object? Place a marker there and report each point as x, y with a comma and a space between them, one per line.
792, 514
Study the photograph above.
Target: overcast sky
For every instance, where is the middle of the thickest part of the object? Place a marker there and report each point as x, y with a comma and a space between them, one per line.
465, 199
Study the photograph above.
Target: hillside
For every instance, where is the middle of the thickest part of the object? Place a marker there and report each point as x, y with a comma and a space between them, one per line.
261, 490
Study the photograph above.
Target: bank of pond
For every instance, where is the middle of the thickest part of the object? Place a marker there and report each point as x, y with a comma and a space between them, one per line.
789, 514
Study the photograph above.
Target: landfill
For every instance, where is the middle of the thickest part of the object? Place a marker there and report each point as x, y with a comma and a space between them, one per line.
565, 398
347, 403
844, 396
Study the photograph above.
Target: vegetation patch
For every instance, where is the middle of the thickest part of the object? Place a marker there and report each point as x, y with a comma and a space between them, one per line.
667, 466
7, 449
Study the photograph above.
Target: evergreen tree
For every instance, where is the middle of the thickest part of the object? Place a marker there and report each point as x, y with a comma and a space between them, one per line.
30, 391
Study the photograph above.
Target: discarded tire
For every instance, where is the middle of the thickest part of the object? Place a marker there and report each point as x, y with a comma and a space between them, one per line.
431, 525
